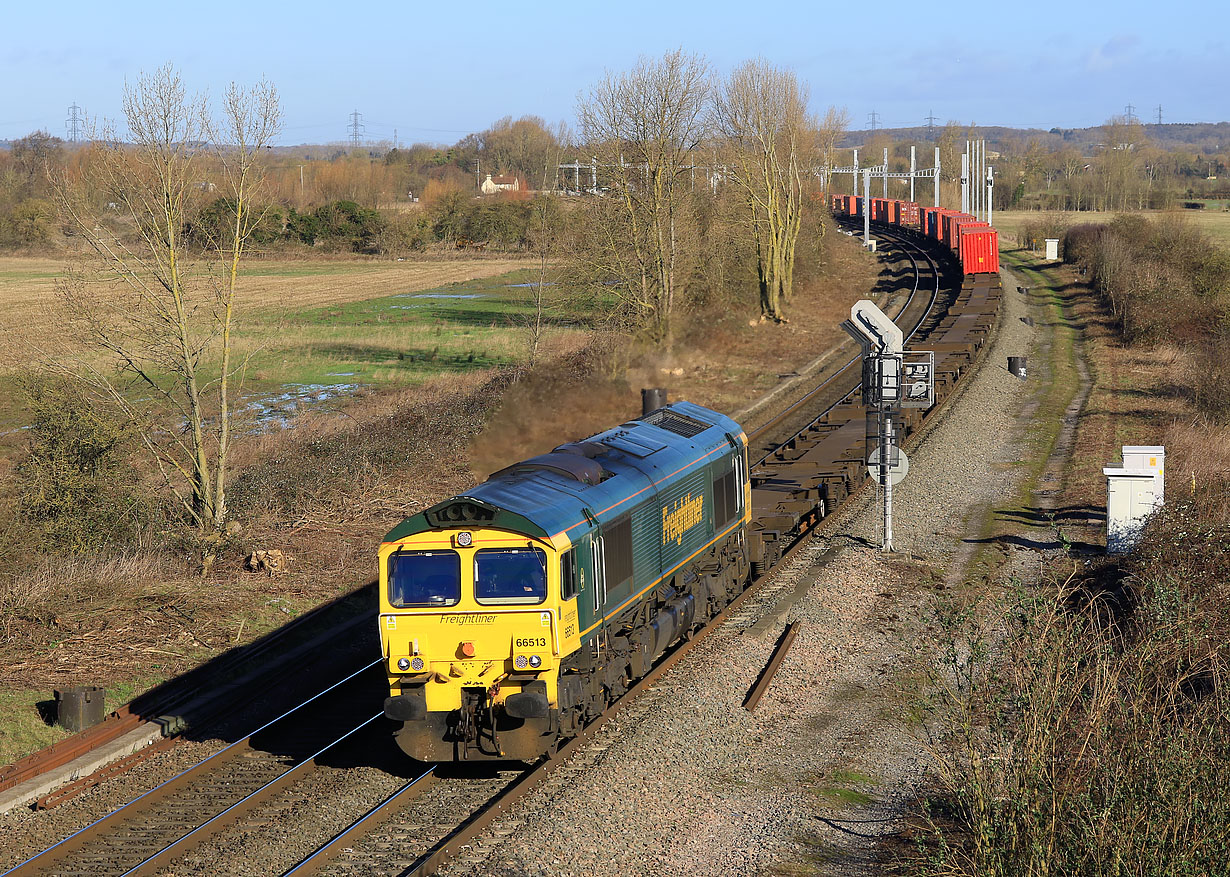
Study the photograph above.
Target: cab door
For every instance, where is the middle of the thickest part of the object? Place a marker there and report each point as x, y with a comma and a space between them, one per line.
591, 584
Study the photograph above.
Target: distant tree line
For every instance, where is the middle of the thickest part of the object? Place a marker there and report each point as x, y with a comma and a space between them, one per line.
1116, 167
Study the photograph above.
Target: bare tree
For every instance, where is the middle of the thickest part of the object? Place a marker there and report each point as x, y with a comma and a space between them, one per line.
643, 127
544, 239
761, 113
250, 121
155, 311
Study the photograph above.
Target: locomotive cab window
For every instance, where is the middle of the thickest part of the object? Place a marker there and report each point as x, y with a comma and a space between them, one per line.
510, 575
424, 578
568, 576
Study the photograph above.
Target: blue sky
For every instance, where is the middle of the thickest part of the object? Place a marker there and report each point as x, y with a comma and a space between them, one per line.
436, 71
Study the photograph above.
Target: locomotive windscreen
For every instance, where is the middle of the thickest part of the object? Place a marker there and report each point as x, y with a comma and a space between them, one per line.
510, 575
424, 578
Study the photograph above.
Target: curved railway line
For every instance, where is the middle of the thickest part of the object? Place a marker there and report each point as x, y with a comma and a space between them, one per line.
811, 457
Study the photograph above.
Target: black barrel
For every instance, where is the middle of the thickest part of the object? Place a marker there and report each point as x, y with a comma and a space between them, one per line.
1016, 365
81, 707
652, 398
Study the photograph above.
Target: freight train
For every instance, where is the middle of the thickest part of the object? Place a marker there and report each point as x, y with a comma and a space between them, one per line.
513, 614
973, 243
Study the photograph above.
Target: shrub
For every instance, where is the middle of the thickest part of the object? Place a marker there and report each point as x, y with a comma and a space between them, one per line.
75, 486
341, 224
215, 223
1098, 742
404, 233
1163, 280
1035, 231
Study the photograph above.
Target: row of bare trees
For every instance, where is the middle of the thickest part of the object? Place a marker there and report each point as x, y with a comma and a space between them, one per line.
650, 127
157, 312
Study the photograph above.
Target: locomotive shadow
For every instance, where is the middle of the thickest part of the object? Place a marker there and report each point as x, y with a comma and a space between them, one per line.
201, 701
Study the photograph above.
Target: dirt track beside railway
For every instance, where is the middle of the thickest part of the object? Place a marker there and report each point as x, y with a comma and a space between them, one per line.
687, 782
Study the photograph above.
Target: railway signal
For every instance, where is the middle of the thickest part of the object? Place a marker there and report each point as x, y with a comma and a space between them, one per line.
892, 380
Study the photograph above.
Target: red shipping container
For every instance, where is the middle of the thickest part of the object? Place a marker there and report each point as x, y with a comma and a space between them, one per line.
948, 234
936, 229
961, 225
980, 251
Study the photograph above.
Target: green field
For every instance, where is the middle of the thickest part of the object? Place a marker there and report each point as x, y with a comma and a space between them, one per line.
314, 331
402, 338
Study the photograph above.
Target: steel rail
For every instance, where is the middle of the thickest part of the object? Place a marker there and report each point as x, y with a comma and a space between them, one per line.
76, 838
918, 277
247, 802
771, 668
321, 856
785, 412
934, 296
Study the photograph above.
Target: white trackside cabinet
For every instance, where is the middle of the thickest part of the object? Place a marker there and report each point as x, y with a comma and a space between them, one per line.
1131, 496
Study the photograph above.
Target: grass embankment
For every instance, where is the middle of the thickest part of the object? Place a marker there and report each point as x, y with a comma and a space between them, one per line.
325, 491
1054, 383
1082, 722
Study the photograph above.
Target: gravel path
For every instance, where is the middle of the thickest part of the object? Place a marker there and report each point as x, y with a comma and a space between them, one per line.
687, 782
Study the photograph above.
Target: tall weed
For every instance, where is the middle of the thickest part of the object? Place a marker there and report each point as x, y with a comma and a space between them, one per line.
1086, 730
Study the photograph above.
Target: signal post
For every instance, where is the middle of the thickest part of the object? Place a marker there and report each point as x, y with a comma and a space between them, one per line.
892, 380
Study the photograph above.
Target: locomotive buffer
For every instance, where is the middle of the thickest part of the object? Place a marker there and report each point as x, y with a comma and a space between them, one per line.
892, 380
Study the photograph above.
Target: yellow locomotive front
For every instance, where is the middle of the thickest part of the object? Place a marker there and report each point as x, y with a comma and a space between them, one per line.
473, 628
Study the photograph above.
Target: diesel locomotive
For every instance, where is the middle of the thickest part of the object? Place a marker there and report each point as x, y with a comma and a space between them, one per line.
513, 614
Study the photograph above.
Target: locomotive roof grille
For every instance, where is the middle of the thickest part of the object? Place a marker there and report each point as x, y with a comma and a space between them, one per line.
673, 421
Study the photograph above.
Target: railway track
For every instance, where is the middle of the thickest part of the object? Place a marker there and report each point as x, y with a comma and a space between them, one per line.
808, 464
915, 312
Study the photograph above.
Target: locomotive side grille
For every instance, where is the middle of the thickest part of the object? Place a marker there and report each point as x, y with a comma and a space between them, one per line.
672, 421
618, 552
725, 499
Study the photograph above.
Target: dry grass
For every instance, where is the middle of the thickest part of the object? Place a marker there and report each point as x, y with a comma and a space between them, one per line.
27, 287
1082, 729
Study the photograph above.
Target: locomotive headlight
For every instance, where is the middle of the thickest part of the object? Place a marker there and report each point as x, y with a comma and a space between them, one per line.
464, 539
403, 664
535, 661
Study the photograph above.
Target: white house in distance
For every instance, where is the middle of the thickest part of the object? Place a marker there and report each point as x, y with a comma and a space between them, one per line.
500, 183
